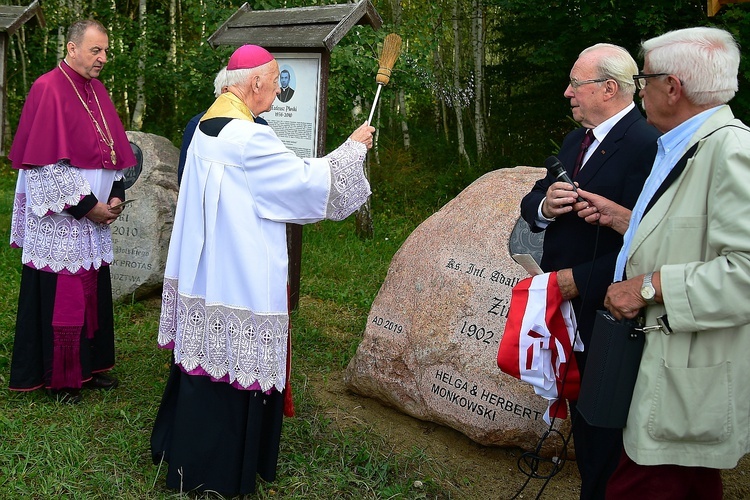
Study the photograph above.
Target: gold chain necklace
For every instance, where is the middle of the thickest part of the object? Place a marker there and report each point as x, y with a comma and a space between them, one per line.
108, 139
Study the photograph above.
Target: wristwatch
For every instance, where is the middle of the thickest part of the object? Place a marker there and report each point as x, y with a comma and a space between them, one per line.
648, 292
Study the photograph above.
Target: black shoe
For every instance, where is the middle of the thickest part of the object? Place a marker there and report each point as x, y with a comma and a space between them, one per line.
101, 382
67, 396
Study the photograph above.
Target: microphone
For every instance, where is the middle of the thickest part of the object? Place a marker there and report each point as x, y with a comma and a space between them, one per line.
557, 171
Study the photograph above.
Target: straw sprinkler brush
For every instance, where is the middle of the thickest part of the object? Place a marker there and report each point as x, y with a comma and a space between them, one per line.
388, 56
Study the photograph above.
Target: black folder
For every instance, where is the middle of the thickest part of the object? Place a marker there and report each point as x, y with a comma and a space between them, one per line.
611, 370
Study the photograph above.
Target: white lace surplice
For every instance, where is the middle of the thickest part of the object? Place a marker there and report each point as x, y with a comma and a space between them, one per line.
51, 238
224, 304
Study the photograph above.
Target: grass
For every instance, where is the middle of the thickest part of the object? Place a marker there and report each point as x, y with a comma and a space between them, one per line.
100, 448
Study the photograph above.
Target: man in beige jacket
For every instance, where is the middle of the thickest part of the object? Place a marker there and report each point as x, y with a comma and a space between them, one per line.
686, 253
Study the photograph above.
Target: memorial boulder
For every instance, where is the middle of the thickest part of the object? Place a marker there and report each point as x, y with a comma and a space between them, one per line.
140, 236
432, 335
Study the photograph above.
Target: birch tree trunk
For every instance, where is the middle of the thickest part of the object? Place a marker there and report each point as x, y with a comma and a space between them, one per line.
173, 32
457, 85
14, 45
397, 10
404, 125
363, 227
45, 37
21, 37
118, 46
203, 23
441, 113
140, 103
172, 58
477, 30
60, 42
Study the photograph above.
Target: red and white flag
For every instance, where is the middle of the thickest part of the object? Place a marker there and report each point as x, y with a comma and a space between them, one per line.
539, 340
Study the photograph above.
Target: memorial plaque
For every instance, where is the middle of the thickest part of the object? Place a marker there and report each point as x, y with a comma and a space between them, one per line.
131, 174
140, 236
432, 335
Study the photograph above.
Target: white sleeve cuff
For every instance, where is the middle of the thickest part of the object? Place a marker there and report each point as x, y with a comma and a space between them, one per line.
542, 221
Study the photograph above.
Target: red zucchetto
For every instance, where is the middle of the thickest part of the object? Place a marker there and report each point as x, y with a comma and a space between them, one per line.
249, 56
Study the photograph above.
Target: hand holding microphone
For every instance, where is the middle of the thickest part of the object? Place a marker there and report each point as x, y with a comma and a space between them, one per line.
559, 200
557, 171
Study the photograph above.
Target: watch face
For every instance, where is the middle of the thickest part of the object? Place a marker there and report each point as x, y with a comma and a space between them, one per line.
648, 292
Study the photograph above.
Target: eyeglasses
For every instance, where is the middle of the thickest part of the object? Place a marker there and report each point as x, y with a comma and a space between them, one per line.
575, 83
640, 79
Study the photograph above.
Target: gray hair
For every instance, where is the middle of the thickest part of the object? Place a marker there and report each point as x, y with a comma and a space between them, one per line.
706, 60
615, 63
220, 82
78, 29
238, 76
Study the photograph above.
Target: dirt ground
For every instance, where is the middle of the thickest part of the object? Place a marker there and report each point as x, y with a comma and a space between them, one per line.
485, 472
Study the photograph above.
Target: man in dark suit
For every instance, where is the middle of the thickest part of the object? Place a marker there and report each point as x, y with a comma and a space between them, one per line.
616, 161
286, 91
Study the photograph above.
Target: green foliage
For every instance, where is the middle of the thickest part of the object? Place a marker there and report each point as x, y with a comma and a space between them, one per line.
529, 52
352, 86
